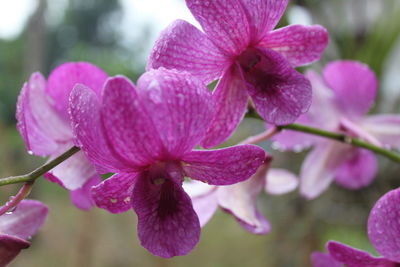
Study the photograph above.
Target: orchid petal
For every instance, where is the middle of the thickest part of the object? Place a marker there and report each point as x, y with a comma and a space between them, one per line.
88, 130
354, 84
186, 102
63, 79
82, 197
114, 194
280, 181
280, 93
25, 220
240, 200
10, 246
299, 44
231, 100
223, 166
183, 47
384, 225
167, 223
358, 170
319, 259
224, 22
355, 258
386, 128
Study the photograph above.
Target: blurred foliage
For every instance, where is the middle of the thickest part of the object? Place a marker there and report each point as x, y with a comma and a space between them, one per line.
88, 31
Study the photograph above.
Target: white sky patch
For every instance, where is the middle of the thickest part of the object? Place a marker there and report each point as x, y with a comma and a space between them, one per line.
13, 16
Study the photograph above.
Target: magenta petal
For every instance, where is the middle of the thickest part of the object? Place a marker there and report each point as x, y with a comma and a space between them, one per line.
280, 93
63, 79
82, 197
224, 22
240, 200
263, 15
319, 259
358, 170
384, 225
223, 166
129, 130
386, 128
354, 84
114, 194
25, 221
180, 107
88, 130
167, 223
299, 44
354, 257
183, 47
39, 124
231, 100
10, 246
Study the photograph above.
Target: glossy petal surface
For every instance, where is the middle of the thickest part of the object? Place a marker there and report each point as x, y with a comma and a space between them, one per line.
10, 246
223, 166
319, 259
183, 47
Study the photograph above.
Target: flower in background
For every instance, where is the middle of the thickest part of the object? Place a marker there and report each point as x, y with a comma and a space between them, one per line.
146, 136
240, 199
341, 99
383, 232
240, 48
18, 226
44, 124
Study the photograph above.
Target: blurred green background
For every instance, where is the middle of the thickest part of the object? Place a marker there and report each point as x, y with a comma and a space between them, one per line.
117, 36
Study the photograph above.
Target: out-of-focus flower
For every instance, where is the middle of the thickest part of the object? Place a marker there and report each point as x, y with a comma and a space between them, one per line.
240, 48
18, 226
44, 124
146, 137
340, 101
240, 199
383, 232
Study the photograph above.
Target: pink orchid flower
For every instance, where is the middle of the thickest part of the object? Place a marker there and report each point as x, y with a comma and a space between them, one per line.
240, 47
240, 199
341, 100
44, 124
383, 232
146, 136
18, 226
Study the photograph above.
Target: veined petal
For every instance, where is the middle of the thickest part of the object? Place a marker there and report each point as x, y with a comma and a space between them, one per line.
223, 166
167, 223
129, 131
319, 168
231, 100
299, 44
179, 106
263, 15
355, 258
358, 170
74, 172
386, 128
240, 200
25, 221
115, 193
224, 22
63, 79
82, 197
280, 181
354, 84
183, 47
384, 225
10, 246
280, 93
319, 259
89, 132
39, 124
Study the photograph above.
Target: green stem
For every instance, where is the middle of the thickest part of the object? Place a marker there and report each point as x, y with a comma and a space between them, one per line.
32, 176
344, 139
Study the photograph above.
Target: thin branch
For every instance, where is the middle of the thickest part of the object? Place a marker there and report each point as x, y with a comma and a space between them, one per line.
32, 176
15, 200
261, 137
